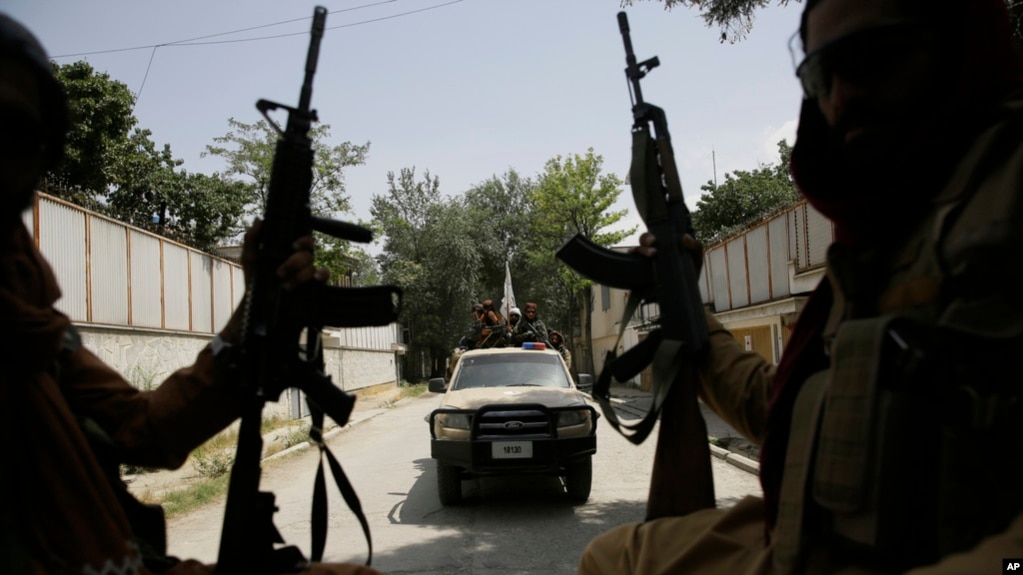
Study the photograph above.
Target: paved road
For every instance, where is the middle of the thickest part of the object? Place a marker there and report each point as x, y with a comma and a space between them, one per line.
505, 526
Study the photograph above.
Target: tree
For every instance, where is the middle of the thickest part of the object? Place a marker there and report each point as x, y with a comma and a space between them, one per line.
744, 197
249, 152
500, 215
101, 119
572, 196
430, 251
735, 17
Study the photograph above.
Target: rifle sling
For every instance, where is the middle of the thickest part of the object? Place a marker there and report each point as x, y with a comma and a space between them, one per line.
662, 354
319, 511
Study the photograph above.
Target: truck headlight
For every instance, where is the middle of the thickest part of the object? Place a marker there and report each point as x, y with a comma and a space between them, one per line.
575, 417
455, 420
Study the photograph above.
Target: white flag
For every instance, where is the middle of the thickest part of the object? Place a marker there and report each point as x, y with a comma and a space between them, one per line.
508, 301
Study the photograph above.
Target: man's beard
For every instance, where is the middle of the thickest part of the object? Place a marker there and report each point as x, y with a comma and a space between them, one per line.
883, 153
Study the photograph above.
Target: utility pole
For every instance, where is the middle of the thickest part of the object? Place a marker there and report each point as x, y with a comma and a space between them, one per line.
714, 161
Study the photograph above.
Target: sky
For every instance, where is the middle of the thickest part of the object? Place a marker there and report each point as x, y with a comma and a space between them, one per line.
463, 89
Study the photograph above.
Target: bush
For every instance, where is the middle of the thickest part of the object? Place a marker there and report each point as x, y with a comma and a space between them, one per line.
211, 465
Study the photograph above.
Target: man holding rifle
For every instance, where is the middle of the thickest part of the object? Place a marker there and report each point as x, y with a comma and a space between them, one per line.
892, 429
68, 419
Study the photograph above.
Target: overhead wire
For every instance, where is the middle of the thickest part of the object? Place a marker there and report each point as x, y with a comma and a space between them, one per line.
193, 41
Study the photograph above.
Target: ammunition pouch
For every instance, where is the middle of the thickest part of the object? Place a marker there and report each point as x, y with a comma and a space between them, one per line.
911, 449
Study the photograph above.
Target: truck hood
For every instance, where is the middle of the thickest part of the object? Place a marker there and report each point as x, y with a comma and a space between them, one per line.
479, 396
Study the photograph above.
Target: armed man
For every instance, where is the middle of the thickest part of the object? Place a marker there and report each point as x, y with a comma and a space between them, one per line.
530, 327
878, 426
65, 510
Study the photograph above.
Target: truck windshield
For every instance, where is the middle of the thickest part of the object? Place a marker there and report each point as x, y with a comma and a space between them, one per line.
519, 369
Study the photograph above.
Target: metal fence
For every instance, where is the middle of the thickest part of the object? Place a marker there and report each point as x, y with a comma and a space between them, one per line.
111, 273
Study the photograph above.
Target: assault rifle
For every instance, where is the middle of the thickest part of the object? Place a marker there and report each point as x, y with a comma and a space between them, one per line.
270, 357
681, 480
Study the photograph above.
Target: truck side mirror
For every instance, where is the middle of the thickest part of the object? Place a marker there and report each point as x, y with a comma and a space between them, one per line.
437, 385
585, 382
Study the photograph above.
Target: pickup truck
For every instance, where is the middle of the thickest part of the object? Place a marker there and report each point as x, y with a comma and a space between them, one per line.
512, 411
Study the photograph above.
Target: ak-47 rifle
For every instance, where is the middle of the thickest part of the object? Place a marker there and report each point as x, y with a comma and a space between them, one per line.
269, 356
681, 480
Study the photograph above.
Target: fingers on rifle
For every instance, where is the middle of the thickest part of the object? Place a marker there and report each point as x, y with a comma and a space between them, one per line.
303, 243
692, 245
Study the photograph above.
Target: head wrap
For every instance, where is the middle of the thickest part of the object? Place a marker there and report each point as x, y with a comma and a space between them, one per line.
982, 65
18, 43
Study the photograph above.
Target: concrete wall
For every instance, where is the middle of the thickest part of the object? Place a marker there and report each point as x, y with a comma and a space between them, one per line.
147, 357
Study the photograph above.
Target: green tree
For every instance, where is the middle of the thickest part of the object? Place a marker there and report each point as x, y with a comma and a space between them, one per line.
735, 17
154, 194
744, 198
500, 212
249, 152
101, 119
431, 251
572, 196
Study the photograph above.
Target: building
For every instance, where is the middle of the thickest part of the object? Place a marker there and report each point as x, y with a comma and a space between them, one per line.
756, 283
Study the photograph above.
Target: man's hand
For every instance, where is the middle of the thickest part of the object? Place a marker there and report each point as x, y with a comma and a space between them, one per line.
297, 270
647, 247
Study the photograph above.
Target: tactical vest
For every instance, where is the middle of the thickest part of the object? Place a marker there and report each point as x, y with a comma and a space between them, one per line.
910, 446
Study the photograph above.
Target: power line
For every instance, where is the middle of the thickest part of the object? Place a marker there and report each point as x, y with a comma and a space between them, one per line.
193, 41
327, 28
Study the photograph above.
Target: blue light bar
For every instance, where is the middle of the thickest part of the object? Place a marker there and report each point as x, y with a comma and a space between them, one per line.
534, 345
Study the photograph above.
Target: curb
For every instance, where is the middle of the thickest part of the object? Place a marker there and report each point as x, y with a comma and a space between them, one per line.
352, 422
743, 463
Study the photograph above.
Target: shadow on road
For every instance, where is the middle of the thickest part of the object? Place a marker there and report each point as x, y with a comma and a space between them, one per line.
525, 523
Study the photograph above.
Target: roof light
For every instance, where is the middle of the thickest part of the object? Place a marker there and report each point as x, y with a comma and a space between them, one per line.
534, 345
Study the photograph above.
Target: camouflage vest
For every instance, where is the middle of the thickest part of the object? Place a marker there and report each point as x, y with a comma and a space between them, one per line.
910, 446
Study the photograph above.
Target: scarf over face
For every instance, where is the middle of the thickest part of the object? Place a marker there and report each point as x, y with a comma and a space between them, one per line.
980, 67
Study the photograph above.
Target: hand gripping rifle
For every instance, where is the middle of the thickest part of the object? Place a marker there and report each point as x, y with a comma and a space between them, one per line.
681, 480
269, 357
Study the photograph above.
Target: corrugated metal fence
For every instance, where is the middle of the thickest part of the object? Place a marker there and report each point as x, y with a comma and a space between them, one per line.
753, 267
111, 273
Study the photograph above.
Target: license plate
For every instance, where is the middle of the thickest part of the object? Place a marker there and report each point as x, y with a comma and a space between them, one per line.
512, 449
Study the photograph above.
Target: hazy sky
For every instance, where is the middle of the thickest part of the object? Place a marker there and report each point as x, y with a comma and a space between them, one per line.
465, 89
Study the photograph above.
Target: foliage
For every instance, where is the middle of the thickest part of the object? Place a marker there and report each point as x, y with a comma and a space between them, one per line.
501, 213
744, 198
101, 120
195, 209
733, 17
113, 166
508, 218
211, 464
413, 389
249, 152
426, 239
572, 196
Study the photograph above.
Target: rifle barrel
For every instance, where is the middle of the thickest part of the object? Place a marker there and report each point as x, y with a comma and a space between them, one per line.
319, 21
632, 69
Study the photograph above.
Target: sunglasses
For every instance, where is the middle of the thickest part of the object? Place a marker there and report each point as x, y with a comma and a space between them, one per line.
861, 57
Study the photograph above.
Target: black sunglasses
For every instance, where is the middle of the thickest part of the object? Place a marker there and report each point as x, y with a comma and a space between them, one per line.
862, 56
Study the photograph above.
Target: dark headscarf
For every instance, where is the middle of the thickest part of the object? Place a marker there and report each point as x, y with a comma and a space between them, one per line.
981, 67
17, 42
